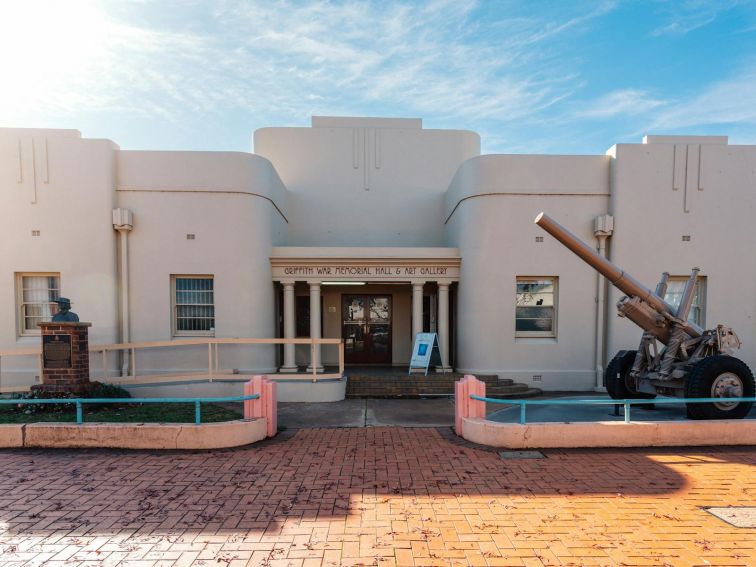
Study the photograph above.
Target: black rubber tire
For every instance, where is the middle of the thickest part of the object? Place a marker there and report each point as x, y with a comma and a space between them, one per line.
699, 382
617, 378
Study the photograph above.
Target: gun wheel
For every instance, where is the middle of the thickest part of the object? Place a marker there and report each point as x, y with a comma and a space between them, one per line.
723, 377
619, 383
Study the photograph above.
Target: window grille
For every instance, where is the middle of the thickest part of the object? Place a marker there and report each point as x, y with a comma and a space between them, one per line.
194, 305
536, 304
36, 300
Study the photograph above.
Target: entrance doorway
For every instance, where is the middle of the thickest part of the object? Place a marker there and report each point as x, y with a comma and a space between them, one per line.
366, 328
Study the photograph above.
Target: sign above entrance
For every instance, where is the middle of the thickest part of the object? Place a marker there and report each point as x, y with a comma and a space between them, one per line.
444, 269
365, 271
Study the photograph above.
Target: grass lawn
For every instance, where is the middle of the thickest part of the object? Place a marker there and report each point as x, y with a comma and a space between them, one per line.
128, 413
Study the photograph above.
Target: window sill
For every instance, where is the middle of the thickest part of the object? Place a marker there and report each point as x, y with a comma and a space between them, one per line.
195, 336
535, 340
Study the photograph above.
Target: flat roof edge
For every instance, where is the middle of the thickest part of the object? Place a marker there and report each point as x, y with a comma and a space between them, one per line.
366, 122
379, 252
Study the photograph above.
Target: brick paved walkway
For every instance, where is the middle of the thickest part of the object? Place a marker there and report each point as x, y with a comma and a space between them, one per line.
376, 496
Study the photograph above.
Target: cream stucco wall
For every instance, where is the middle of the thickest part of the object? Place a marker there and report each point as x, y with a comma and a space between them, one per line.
58, 183
662, 191
234, 205
490, 208
366, 182
61, 185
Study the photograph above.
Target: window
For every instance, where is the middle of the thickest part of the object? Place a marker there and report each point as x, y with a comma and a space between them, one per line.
535, 314
675, 288
36, 300
194, 305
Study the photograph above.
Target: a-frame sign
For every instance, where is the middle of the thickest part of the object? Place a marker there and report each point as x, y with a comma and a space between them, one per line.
425, 353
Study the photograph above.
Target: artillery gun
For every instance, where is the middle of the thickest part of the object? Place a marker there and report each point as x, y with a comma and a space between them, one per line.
693, 362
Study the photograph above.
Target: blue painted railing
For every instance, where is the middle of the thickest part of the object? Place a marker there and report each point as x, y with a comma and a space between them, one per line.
79, 402
626, 403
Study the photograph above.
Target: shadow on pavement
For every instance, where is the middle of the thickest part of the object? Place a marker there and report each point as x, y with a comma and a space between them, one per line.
315, 474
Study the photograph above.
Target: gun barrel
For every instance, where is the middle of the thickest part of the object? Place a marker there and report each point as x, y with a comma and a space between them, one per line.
616, 275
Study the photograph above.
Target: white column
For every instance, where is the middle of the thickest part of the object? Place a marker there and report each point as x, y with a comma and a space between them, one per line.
443, 326
290, 327
315, 325
417, 309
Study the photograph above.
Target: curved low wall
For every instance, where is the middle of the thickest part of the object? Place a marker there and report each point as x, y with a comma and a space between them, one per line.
306, 391
324, 390
609, 433
134, 435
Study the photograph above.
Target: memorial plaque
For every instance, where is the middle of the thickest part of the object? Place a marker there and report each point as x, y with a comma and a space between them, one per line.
56, 351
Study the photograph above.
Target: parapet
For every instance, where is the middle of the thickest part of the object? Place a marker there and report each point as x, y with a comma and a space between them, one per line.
367, 122
718, 140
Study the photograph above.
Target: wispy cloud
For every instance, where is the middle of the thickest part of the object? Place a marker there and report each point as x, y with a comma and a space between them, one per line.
726, 102
682, 17
628, 102
721, 107
526, 77
440, 58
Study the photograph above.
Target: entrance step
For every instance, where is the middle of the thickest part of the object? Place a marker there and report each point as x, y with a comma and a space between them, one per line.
397, 384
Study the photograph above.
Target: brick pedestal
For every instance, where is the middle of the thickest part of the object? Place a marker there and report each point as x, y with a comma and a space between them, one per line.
65, 357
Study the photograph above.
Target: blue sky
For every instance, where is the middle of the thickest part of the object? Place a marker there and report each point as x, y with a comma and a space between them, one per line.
530, 76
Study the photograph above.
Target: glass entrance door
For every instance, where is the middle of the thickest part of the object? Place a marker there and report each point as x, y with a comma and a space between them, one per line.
366, 329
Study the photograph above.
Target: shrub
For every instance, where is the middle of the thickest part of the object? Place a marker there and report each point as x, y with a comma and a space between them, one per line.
42, 395
100, 390
96, 390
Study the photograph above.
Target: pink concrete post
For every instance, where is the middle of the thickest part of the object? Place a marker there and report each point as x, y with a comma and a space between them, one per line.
266, 406
466, 407
270, 400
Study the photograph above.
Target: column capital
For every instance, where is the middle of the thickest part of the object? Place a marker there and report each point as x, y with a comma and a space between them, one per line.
442, 285
314, 283
416, 283
287, 283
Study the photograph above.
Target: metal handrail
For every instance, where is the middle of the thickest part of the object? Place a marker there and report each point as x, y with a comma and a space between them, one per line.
626, 403
81, 401
214, 371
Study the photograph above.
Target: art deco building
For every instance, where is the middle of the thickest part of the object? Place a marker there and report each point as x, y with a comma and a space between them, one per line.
370, 230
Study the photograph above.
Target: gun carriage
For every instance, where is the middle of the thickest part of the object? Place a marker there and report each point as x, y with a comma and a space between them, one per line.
692, 362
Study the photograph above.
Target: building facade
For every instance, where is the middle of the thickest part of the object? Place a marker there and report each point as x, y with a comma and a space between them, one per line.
370, 230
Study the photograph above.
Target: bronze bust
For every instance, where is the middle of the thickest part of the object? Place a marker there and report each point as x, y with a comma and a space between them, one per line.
64, 314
